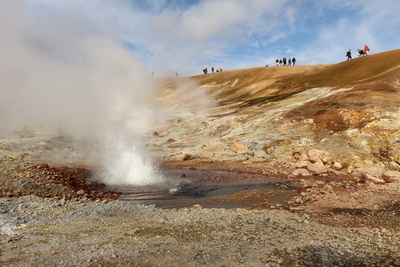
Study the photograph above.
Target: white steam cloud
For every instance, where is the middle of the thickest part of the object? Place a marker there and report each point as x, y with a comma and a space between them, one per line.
59, 69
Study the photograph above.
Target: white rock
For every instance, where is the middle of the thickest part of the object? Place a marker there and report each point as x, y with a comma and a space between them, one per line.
315, 155
337, 165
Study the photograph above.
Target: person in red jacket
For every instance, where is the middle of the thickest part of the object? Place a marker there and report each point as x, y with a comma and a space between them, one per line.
366, 50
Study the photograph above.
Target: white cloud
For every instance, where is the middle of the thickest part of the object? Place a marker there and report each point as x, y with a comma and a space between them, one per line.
341, 25
185, 36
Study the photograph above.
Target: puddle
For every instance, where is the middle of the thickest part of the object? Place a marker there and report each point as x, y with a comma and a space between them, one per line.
211, 189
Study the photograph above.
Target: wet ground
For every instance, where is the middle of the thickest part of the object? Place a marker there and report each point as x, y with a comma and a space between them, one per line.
222, 185
214, 189
212, 196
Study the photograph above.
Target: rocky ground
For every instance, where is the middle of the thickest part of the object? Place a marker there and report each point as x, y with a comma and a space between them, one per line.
341, 157
44, 232
54, 215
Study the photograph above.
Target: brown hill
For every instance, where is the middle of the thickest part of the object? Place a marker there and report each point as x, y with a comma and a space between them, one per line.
350, 110
373, 79
246, 84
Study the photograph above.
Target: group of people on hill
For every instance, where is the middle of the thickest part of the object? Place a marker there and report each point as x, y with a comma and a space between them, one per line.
205, 70
285, 61
292, 61
361, 52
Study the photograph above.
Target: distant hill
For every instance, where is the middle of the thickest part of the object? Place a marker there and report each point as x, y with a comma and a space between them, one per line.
266, 83
374, 80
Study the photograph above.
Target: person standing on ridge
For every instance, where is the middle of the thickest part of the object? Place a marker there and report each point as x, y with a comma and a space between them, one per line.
293, 61
348, 54
366, 50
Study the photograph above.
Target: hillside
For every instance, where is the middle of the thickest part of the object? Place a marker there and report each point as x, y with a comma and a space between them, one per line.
349, 110
381, 66
274, 166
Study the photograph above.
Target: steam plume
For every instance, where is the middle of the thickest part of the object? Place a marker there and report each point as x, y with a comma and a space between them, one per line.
58, 69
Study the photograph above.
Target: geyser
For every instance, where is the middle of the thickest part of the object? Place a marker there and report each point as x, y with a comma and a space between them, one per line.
125, 162
61, 70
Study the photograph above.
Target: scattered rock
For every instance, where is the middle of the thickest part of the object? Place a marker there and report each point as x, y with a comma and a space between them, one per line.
317, 168
350, 169
302, 164
337, 166
373, 179
391, 176
315, 155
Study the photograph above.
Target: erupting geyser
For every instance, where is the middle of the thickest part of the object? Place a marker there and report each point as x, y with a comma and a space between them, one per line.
66, 71
126, 163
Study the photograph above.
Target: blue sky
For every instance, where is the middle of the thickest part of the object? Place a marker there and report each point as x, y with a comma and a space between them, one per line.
170, 36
